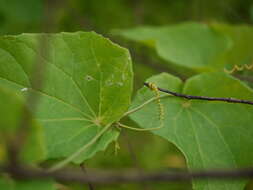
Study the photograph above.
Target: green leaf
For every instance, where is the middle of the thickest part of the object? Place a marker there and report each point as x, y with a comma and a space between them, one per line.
191, 45
9, 184
242, 46
87, 85
209, 134
12, 114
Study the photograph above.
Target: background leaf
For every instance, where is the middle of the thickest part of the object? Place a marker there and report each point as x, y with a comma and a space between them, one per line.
191, 45
87, 85
210, 134
241, 51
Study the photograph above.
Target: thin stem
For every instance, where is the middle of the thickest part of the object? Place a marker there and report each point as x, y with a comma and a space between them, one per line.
85, 172
139, 129
78, 152
230, 100
142, 105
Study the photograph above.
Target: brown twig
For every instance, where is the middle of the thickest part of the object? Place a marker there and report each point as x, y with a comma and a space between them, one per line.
127, 176
229, 100
134, 159
90, 185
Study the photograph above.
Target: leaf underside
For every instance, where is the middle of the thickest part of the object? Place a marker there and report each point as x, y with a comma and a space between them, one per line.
209, 134
86, 85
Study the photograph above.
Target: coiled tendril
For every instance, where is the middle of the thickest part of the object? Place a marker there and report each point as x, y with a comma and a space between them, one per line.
239, 68
154, 88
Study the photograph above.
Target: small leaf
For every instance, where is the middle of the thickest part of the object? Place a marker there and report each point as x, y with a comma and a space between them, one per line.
12, 113
191, 45
87, 85
209, 134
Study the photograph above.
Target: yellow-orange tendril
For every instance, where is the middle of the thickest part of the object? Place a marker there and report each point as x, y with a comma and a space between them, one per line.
239, 68
154, 88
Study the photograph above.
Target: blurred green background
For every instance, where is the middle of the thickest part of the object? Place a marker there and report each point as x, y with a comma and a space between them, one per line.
103, 16
137, 150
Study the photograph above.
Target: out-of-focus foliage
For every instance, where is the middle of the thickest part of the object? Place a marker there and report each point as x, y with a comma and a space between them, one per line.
138, 150
199, 47
13, 111
189, 45
8, 184
242, 43
20, 16
103, 16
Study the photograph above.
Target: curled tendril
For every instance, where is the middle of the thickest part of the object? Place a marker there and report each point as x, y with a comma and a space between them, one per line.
239, 68
154, 88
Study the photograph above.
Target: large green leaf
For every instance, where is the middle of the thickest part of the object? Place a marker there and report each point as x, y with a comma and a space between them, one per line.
87, 85
210, 134
190, 45
12, 113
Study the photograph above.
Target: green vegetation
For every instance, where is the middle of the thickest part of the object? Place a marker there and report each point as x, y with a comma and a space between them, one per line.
71, 78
